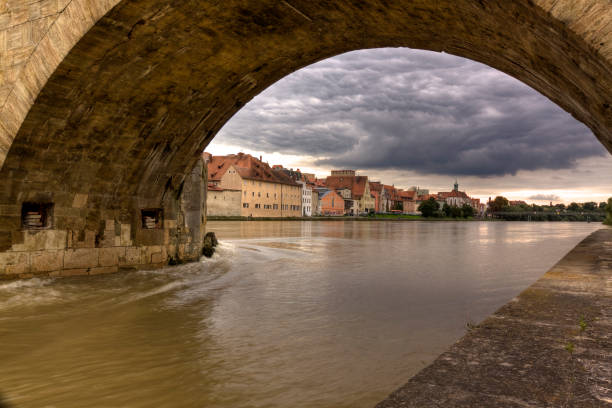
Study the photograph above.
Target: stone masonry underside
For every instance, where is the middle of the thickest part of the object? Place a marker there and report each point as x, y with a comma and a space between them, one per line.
549, 347
105, 106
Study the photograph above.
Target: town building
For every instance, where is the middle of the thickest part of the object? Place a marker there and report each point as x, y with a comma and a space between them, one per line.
330, 203
315, 200
306, 198
419, 191
356, 188
263, 192
381, 199
455, 197
306, 180
408, 201
223, 202
394, 201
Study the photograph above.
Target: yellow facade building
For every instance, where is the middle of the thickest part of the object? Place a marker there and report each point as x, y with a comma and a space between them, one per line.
263, 192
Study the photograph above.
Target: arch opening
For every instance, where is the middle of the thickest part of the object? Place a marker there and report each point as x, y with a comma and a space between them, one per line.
108, 113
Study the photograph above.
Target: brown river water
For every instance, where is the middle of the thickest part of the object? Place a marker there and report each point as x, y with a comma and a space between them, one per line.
314, 314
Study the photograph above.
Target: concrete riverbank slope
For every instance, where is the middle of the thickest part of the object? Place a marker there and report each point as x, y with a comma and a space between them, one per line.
549, 347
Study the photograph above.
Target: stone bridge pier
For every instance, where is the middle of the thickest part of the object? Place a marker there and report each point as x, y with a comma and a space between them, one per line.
106, 105
51, 233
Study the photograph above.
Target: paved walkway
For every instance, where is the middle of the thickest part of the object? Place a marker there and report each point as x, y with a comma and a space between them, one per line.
549, 347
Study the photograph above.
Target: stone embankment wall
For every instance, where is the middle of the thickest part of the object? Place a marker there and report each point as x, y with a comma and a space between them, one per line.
549, 347
72, 246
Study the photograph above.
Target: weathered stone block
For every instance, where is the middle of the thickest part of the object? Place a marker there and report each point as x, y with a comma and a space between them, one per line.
79, 200
132, 256
90, 239
55, 239
81, 239
153, 254
32, 241
47, 261
6, 240
73, 272
126, 239
157, 257
111, 256
10, 210
81, 258
39, 240
102, 270
13, 263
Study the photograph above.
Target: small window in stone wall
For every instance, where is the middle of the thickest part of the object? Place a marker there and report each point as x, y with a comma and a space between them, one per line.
152, 218
36, 215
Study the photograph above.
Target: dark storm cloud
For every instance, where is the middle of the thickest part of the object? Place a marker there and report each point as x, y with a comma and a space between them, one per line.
545, 197
411, 110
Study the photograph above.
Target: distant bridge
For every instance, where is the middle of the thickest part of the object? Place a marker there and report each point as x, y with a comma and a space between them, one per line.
528, 215
561, 213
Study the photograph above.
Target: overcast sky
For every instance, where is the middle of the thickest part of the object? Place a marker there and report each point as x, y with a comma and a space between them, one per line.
410, 117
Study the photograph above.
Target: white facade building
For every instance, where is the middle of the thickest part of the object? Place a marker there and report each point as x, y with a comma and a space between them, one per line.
306, 199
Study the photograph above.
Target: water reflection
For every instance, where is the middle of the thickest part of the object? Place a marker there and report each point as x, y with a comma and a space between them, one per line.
286, 314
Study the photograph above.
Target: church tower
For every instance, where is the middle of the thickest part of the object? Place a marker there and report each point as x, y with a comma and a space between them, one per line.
456, 187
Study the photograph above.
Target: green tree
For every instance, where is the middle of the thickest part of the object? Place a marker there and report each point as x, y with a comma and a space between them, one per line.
467, 211
574, 207
429, 207
446, 209
455, 211
499, 204
590, 206
602, 205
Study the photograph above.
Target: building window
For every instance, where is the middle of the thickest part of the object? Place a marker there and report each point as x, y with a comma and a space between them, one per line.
151, 218
259, 194
267, 195
245, 205
36, 215
253, 193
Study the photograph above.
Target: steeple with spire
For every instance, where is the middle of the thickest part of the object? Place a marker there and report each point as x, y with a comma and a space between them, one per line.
456, 186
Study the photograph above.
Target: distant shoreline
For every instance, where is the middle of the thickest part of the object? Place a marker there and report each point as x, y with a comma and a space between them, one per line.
347, 218
343, 218
379, 218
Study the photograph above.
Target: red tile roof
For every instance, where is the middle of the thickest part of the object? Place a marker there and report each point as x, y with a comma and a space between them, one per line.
407, 195
376, 186
356, 184
425, 197
212, 187
247, 166
454, 193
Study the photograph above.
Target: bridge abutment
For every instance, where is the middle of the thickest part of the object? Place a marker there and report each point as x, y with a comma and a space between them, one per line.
58, 234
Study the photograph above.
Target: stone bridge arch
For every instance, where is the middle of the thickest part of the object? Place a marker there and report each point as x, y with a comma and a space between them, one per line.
106, 104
